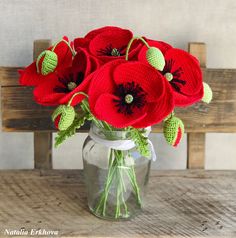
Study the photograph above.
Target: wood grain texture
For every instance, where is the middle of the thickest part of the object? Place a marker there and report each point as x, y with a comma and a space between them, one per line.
42, 150
42, 140
219, 116
191, 203
9, 76
196, 150
196, 141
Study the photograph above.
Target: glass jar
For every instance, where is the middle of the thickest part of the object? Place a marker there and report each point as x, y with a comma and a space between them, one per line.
115, 174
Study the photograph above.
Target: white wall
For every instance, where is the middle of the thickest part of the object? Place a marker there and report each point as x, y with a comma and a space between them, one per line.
175, 21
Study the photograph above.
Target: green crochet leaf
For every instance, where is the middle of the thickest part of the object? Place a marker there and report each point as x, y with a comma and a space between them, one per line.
141, 141
71, 130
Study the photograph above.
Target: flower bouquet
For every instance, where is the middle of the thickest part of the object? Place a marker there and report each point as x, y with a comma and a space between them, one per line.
123, 85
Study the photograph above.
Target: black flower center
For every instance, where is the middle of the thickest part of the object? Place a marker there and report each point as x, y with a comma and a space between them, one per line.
111, 51
131, 96
69, 82
173, 76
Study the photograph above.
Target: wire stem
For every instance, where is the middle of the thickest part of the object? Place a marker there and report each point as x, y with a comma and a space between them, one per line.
131, 42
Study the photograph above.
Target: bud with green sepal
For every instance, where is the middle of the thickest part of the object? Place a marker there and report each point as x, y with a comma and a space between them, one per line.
207, 96
173, 130
46, 62
155, 58
63, 117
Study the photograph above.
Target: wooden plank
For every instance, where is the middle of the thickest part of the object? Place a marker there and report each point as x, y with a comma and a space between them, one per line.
196, 141
178, 204
42, 150
9, 76
219, 116
42, 140
196, 150
198, 49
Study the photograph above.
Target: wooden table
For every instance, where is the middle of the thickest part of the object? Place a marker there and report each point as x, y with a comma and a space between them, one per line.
179, 204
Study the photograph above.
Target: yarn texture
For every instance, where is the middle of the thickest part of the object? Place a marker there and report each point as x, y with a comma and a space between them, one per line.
207, 97
173, 130
49, 62
64, 116
155, 58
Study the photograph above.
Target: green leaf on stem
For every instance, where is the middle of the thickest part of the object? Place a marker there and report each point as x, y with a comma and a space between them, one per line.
141, 141
71, 130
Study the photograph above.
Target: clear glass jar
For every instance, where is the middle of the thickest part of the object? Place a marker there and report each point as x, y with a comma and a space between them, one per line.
115, 179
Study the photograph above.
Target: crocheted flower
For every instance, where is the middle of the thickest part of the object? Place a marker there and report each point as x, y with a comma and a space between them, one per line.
31, 76
126, 93
61, 87
183, 72
108, 43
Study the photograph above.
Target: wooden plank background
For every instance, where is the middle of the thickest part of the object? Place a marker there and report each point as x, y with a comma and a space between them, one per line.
20, 113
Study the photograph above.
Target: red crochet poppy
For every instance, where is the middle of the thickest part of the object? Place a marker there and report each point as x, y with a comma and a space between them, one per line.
185, 76
161, 45
66, 82
30, 77
108, 43
126, 93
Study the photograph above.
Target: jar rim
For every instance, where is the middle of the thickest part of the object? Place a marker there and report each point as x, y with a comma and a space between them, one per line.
117, 134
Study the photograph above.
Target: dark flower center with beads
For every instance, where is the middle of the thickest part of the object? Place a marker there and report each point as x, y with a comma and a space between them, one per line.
131, 96
69, 83
174, 77
111, 51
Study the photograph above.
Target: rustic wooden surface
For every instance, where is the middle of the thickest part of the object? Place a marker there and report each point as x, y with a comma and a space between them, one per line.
20, 113
193, 203
42, 140
196, 150
196, 140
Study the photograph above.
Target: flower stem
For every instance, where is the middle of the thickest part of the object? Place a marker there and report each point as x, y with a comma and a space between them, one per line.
131, 42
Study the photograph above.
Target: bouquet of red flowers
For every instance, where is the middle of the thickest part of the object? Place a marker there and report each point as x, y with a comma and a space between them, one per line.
119, 82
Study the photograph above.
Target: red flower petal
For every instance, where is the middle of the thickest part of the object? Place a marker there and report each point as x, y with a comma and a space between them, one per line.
95, 32
83, 87
105, 110
159, 110
178, 138
81, 43
84, 62
84, 42
46, 94
151, 81
102, 82
64, 54
30, 77
182, 100
116, 39
189, 72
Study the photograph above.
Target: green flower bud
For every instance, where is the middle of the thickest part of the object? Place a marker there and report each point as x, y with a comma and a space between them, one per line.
207, 97
63, 117
173, 130
49, 62
155, 58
